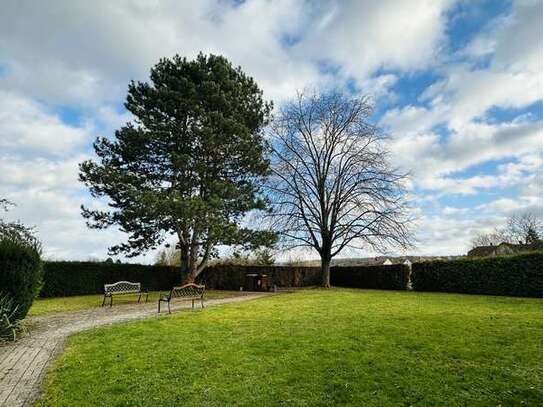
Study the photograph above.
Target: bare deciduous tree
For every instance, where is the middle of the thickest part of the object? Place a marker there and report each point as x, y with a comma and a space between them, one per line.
332, 186
493, 238
524, 228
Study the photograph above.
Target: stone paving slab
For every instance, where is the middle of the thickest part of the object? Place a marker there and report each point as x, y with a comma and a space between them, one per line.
24, 363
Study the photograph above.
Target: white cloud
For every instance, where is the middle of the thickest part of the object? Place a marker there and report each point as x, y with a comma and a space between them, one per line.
518, 45
434, 162
449, 210
445, 235
82, 55
412, 120
26, 125
364, 36
92, 50
55, 214
461, 100
23, 172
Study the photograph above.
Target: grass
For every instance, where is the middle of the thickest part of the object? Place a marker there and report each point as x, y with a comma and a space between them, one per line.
44, 306
314, 348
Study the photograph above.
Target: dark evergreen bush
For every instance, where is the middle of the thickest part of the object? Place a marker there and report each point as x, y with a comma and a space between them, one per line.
20, 274
519, 275
391, 277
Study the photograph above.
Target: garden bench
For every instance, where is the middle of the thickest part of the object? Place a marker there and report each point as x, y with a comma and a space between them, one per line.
121, 288
186, 292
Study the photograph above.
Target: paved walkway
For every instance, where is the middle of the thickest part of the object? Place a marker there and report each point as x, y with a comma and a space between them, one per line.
24, 363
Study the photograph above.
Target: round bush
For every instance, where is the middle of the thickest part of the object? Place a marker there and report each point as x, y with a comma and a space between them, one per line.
20, 274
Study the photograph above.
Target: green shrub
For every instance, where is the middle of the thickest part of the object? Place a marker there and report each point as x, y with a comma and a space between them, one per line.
66, 278
20, 274
518, 275
391, 277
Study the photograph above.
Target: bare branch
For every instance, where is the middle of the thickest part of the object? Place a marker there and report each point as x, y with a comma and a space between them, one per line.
331, 185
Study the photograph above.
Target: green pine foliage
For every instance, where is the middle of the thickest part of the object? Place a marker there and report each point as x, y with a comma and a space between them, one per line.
189, 165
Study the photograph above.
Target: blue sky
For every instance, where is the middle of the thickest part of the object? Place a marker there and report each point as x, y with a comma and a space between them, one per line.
458, 86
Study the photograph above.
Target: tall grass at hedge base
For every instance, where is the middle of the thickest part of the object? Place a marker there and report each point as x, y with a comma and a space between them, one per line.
20, 275
517, 275
9, 324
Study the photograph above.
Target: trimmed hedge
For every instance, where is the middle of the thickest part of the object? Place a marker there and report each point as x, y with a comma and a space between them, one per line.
391, 277
66, 278
62, 279
232, 277
518, 275
20, 275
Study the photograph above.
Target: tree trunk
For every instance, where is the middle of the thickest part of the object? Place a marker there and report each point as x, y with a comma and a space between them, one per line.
326, 258
190, 266
194, 269
325, 271
191, 276
185, 262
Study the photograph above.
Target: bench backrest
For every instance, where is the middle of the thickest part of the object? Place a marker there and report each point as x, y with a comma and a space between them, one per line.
188, 291
122, 287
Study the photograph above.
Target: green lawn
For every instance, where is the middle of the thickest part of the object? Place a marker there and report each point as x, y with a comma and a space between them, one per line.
42, 306
314, 347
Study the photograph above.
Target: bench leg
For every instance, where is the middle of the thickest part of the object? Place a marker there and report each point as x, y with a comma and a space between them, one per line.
104, 300
159, 306
202, 300
139, 298
193, 303
169, 310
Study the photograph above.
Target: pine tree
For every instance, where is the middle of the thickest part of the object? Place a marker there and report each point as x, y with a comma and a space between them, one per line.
189, 165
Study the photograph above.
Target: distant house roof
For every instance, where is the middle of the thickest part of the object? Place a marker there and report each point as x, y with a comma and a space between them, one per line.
503, 248
481, 251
